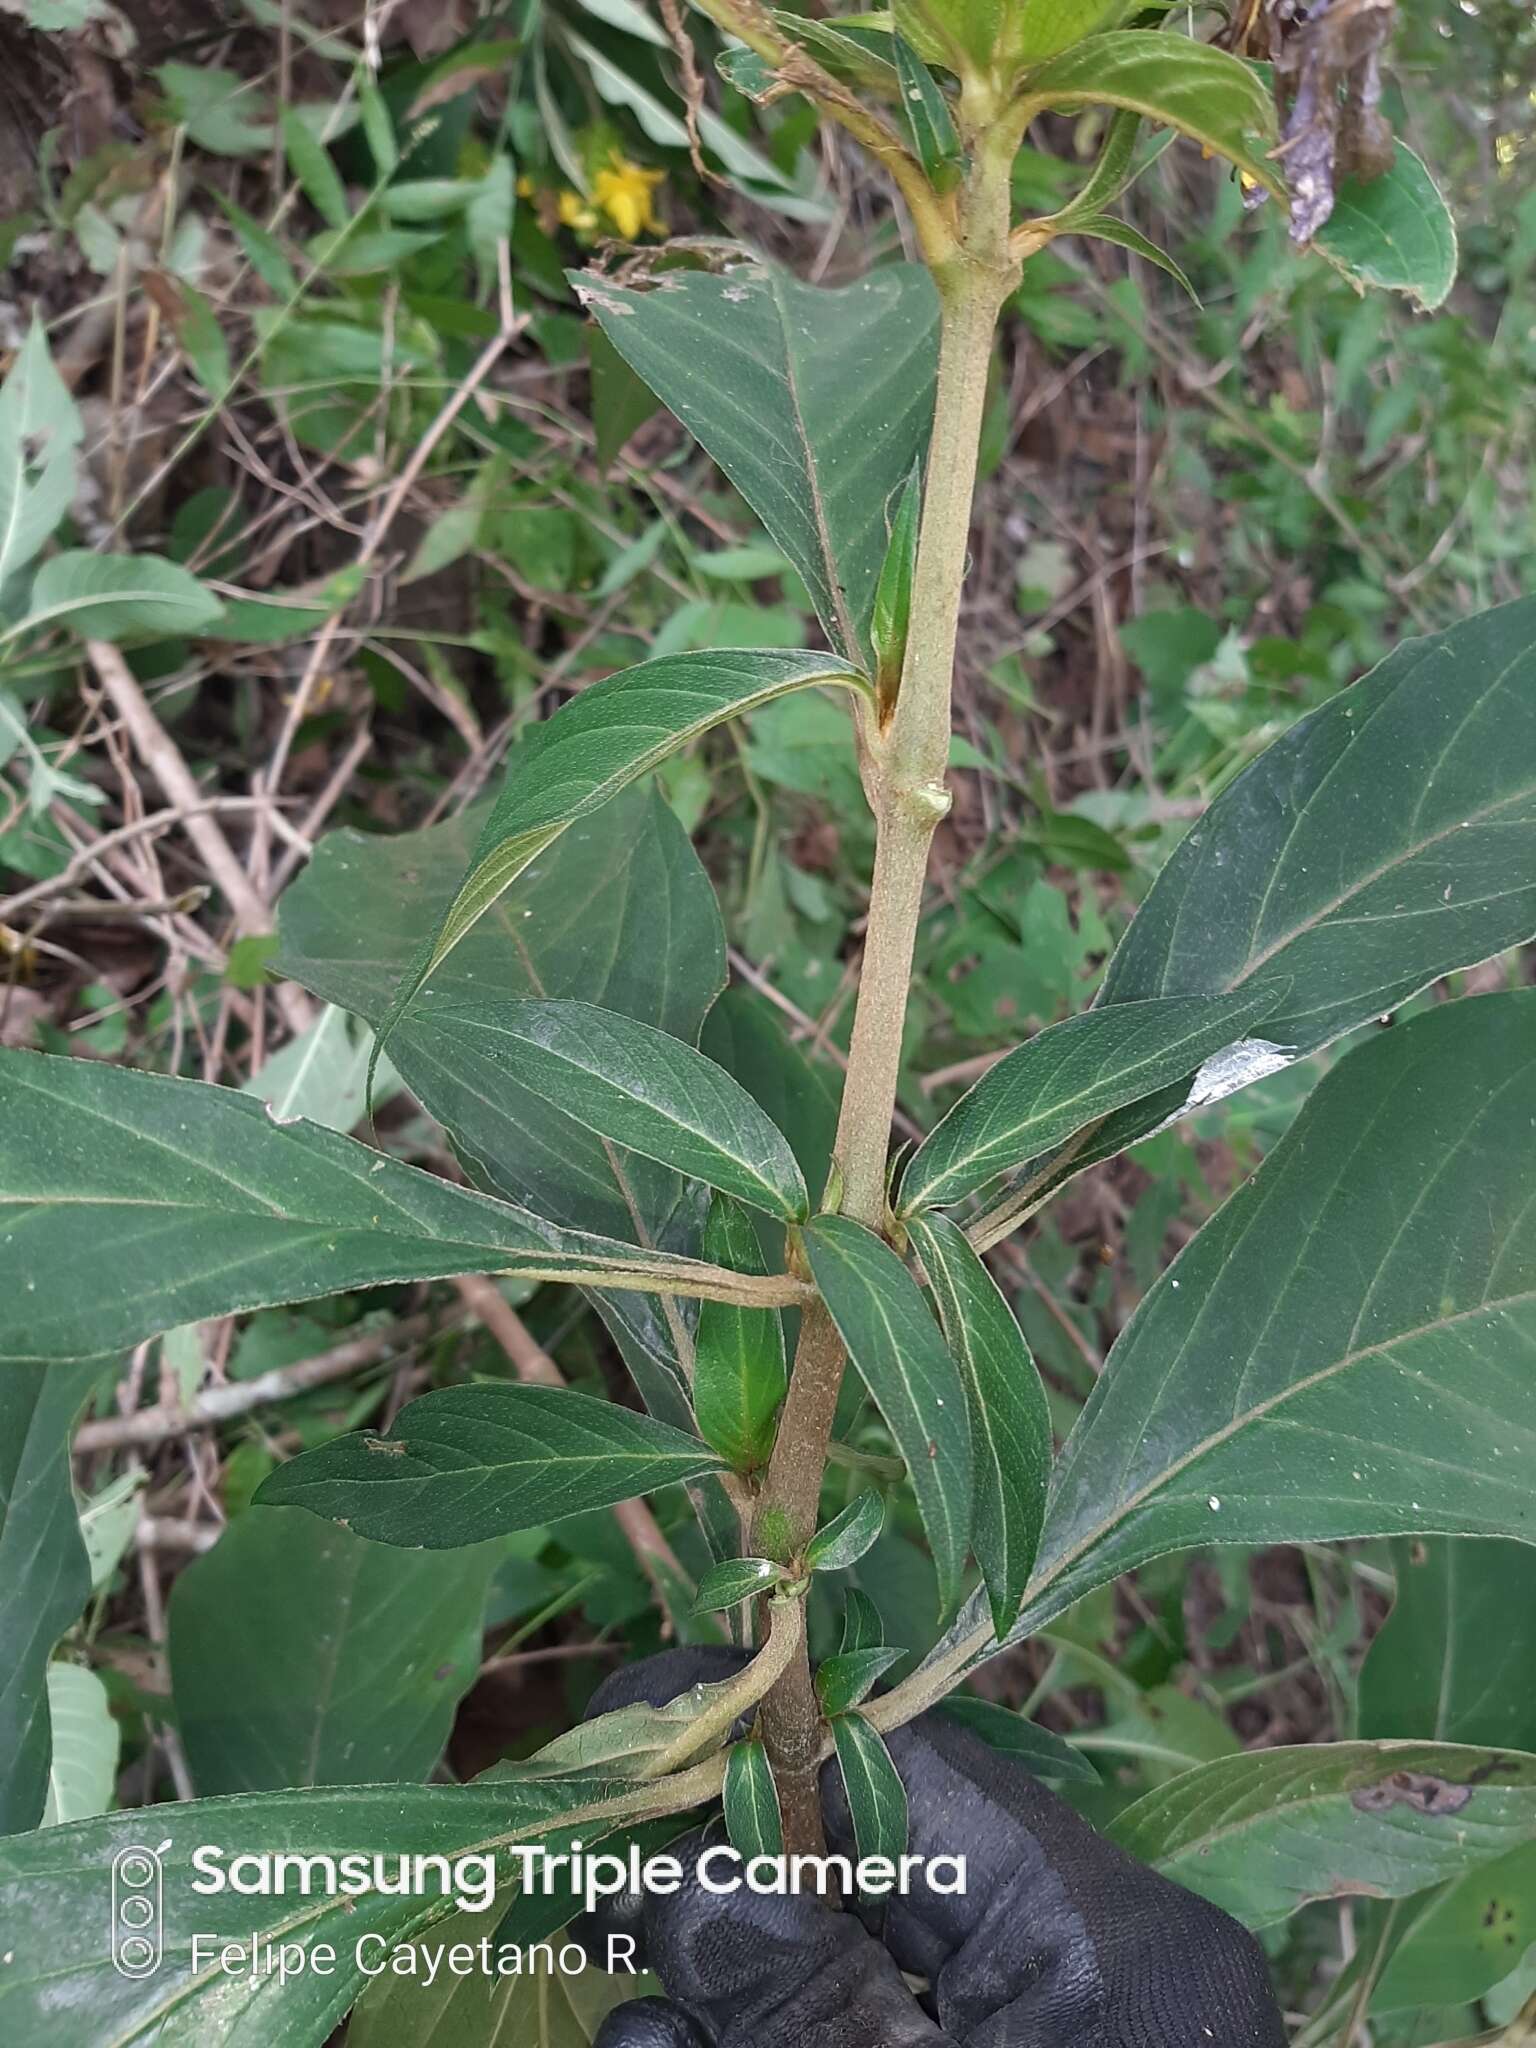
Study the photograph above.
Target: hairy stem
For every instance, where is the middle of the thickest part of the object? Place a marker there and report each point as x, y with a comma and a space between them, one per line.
905, 764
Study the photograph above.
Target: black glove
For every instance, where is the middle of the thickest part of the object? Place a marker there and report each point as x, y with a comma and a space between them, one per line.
1058, 1941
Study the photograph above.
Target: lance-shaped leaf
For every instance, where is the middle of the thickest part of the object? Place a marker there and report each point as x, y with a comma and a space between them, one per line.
1064, 1078
1206, 93
62, 1983
40, 433
1394, 231
733, 1580
929, 123
752, 1817
1344, 1350
847, 1536
1385, 839
1457, 1943
842, 1681
637, 1086
392, 1642
896, 1347
815, 404
118, 597
183, 1201
87, 1743
1453, 1658
877, 1799
45, 1578
1262, 1834
1041, 1751
1010, 1420
739, 1371
593, 747
468, 1463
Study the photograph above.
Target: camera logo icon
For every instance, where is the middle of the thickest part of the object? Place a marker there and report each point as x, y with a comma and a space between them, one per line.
137, 1931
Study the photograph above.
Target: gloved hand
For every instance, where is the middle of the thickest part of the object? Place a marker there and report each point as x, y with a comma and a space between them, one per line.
1058, 1941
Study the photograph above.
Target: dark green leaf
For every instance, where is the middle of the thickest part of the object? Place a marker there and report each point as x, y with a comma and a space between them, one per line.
1010, 1419
592, 748
752, 1818
900, 1356
739, 1372
893, 593
1261, 1834
1395, 232
301, 1655
621, 401
862, 1629
1385, 839
877, 1799
1064, 1078
635, 1085
61, 1985
1103, 227
119, 597
746, 1036
774, 378
468, 1463
1041, 1752
1110, 175
847, 1536
847, 48
1344, 1349
733, 1580
1454, 1658
44, 1576
184, 1201
929, 122
846, 1679
1205, 93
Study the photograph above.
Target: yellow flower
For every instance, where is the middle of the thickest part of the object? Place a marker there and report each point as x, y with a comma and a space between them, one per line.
575, 212
623, 190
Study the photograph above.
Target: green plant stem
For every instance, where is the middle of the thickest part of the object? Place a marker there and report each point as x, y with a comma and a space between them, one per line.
905, 763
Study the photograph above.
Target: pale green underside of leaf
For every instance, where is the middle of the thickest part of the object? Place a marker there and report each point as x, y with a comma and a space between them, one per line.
119, 597
40, 433
44, 1576
1261, 1834
1010, 1418
1394, 232
82, 1776
54, 1887
1064, 1078
468, 1463
387, 1644
814, 403
896, 1348
595, 746
183, 1201
1347, 1348
637, 1086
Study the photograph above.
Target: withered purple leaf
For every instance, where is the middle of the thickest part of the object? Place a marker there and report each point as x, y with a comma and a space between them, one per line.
1327, 63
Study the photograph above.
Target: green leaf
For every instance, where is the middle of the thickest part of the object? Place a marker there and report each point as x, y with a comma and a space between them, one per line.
733, 1580
901, 1358
82, 1777
594, 746
1453, 1659
1010, 1419
118, 597
847, 1536
40, 434
185, 1201
1462, 1941
529, 2007
55, 1904
1043, 1753
1385, 839
929, 122
862, 1627
746, 1036
1207, 94
1395, 232
310, 163
1110, 175
1372, 1379
846, 1679
877, 1799
637, 1086
893, 593
752, 1818
44, 1577
386, 1644
1103, 227
1261, 1834
1067, 1076
739, 1371
775, 379
468, 1463
1044, 28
